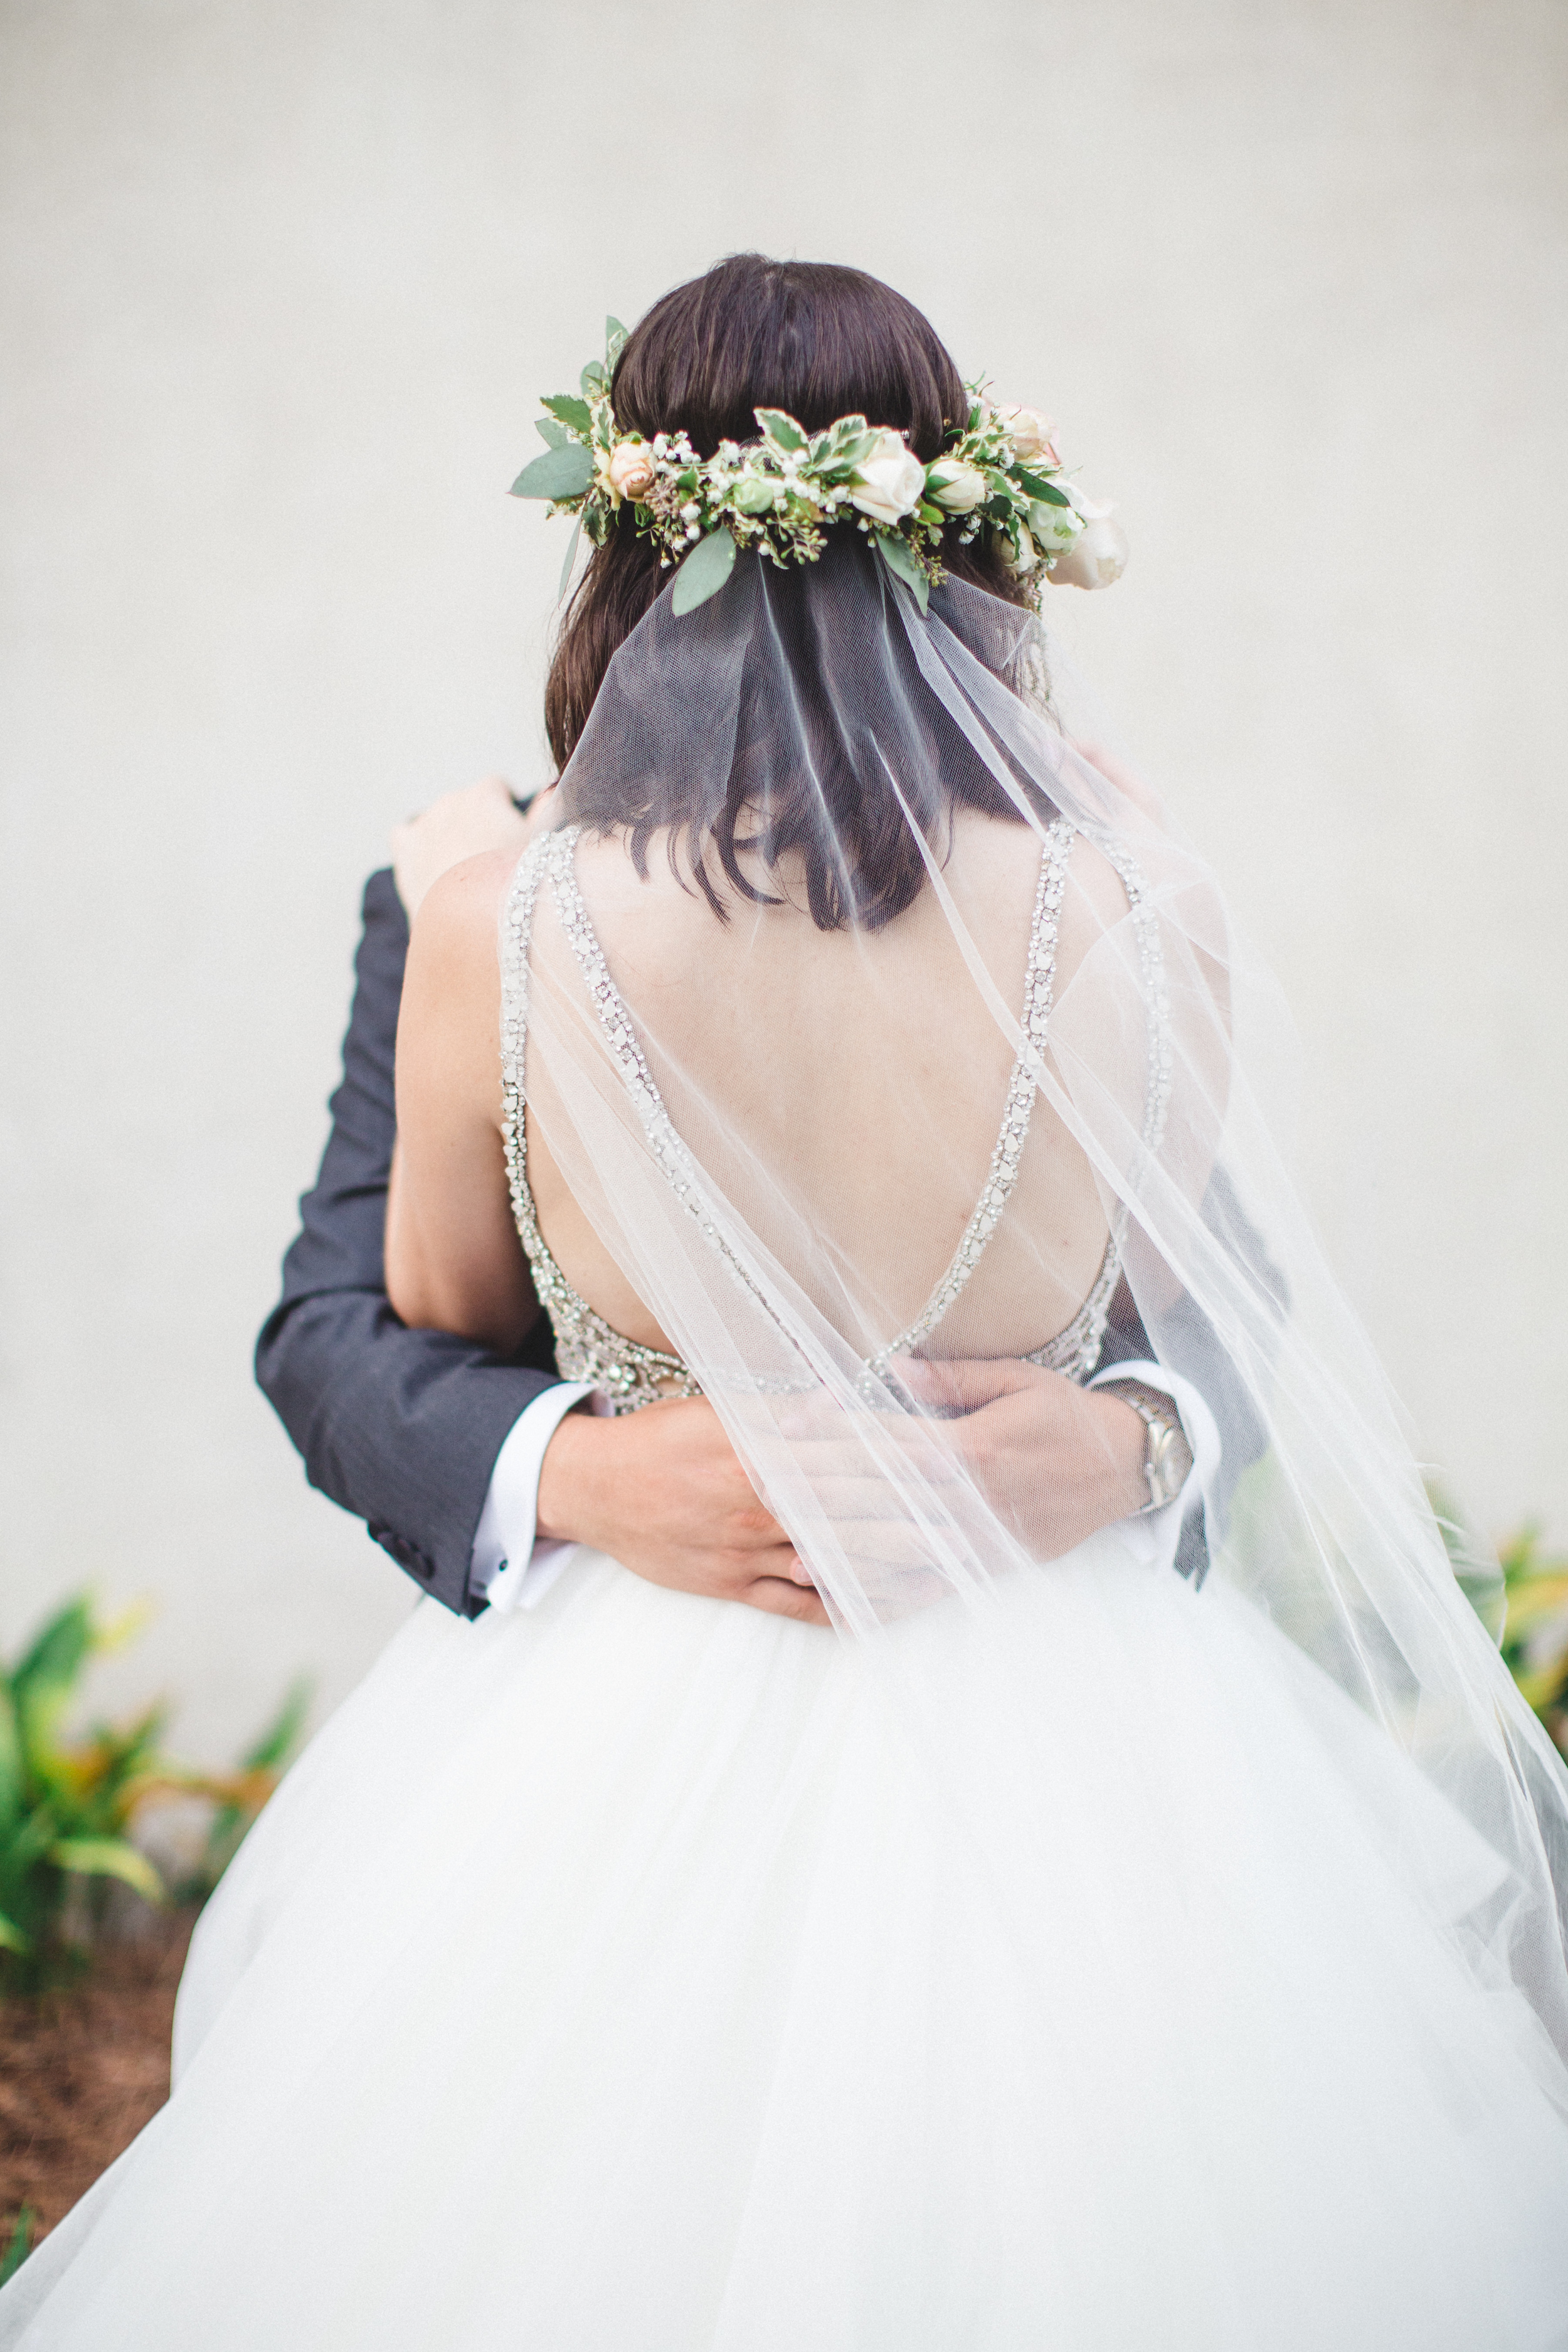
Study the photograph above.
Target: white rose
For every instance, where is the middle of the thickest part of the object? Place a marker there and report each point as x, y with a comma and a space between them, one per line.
1097, 560
890, 482
1032, 436
1056, 528
958, 488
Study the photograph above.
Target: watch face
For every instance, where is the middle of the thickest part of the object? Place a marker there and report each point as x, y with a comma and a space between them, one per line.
1170, 1461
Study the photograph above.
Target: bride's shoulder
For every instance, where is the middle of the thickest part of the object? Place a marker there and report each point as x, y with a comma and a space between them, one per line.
454, 931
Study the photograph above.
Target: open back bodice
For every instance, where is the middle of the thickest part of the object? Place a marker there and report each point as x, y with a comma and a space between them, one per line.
629, 1374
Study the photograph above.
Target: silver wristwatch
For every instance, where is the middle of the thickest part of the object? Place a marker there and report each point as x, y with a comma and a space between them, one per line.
1168, 1456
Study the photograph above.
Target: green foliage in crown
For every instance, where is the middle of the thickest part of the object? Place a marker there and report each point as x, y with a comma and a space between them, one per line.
999, 472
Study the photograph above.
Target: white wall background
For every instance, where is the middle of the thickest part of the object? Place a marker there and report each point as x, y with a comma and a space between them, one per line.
280, 283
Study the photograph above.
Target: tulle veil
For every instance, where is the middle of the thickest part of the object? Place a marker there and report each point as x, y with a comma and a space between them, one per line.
781, 989
1155, 1943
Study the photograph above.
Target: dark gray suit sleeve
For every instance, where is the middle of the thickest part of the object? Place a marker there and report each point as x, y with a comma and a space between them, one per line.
400, 1427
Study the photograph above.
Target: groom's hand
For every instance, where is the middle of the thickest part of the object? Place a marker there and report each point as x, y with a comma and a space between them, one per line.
1054, 1461
662, 1492
458, 827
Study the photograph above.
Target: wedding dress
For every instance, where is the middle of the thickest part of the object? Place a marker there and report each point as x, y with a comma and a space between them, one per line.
1050, 1958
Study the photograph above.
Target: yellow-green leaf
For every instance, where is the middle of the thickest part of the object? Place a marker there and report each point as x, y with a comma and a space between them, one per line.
109, 1858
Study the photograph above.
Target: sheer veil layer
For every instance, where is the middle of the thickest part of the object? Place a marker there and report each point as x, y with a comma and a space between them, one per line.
871, 1020
1154, 1945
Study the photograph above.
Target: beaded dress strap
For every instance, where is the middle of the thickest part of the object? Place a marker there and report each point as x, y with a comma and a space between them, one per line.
1075, 1350
587, 1348
1039, 985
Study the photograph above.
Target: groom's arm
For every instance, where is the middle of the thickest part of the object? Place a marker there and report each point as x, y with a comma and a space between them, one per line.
454, 1457
403, 1428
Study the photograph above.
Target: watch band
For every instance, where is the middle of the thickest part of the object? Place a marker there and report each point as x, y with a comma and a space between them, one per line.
1167, 1455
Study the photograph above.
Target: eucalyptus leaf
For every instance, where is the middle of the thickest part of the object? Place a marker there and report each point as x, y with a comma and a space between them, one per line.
563, 473
614, 336
780, 428
570, 411
570, 558
549, 430
705, 570
591, 378
901, 562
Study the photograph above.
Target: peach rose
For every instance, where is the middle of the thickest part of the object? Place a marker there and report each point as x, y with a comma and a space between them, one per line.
631, 470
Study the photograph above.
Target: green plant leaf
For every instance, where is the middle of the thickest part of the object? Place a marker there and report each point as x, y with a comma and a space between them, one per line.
1038, 488
44, 1681
41, 1687
563, 473
705, 570
902, 563
591, 378
18, 2246
1542, 1687
550, 431
12, 1778
272, 1748
570, 559
11, 1936
1532, 1603
108, 1858
614, 337
780, 428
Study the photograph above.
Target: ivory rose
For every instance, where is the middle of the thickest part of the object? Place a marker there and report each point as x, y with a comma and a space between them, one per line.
1056, 528
889, 482
1033, 436
631, 470
957, 486
1098, 558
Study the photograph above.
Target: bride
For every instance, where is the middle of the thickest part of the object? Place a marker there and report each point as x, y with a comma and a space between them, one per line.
1154, 1946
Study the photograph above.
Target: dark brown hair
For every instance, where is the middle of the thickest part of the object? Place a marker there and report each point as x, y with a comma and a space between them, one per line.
816, 340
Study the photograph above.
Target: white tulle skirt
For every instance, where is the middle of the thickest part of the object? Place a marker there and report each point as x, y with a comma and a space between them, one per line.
637, 1976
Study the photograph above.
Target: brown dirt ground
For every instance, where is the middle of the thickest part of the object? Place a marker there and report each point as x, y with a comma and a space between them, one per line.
82, 2069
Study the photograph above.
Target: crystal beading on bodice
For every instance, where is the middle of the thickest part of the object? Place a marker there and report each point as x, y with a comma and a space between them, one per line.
630, 1375
587, 1348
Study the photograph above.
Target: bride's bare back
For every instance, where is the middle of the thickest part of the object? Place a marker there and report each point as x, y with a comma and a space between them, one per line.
844, 1090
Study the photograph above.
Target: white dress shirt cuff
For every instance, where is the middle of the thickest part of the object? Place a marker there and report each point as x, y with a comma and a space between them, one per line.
509, 1567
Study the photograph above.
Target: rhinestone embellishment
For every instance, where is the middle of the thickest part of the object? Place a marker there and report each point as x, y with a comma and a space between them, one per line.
587, 1348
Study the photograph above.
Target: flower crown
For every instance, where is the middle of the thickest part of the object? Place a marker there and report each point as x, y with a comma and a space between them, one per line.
1000, 471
